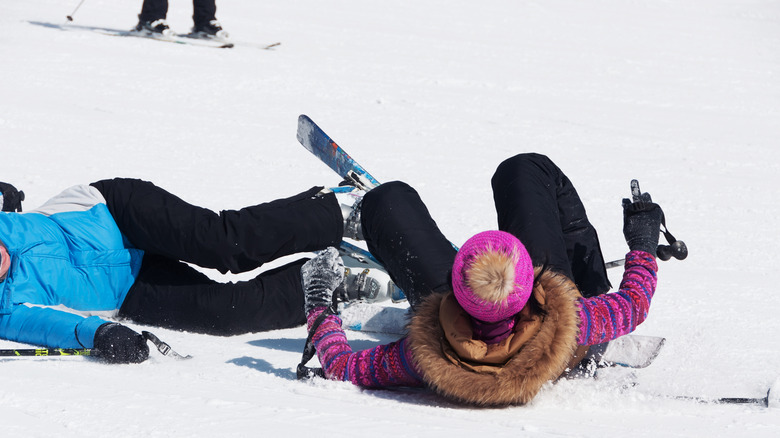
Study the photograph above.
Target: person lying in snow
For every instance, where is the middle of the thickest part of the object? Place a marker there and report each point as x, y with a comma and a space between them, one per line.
512, 309
117, 248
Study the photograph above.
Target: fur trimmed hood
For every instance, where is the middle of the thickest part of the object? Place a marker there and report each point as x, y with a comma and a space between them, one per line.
468, 370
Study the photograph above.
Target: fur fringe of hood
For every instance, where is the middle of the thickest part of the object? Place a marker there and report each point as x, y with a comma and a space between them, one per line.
542, 358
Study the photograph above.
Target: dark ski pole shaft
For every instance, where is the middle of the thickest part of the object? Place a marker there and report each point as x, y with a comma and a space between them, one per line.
70, 17
762, 401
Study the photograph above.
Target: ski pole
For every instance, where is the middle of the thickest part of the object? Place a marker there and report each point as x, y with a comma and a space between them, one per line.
70, 17
762, 401
162, 347
676, 249
49, 352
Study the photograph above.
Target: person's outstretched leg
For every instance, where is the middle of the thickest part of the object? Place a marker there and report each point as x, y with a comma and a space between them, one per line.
233, 240
172, 294
401, 234
537, 203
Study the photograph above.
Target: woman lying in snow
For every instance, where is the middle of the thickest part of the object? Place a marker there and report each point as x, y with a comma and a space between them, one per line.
117, 249
509, 311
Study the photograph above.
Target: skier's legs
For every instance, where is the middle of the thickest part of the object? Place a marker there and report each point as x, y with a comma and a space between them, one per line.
172, 294
401, 234
233, 240
153, 10
537, 203
203, 11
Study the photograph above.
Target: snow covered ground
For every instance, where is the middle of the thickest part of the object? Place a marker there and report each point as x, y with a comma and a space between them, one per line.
683, 95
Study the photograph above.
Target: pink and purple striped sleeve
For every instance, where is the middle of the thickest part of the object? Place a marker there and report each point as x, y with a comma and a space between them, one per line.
609, 316
380, 367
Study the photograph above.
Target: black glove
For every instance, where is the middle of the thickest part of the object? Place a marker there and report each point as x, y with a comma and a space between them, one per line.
11, 199
641, 221
118, 344
320, 276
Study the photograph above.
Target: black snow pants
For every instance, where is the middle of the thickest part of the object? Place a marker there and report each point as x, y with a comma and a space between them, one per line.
535, 202
203, 11
172, 294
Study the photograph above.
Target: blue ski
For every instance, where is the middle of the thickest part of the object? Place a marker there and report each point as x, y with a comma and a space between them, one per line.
316, 141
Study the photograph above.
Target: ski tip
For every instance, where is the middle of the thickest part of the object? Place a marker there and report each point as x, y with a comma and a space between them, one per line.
303, 134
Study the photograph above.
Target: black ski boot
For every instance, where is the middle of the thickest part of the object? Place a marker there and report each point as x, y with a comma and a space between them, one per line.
154, 28
210, 30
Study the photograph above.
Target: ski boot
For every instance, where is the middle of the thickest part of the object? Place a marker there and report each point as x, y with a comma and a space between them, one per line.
155, 28
365, 280
350, 199
211, 30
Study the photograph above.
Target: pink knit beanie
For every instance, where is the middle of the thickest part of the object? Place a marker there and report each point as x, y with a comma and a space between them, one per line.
492, 276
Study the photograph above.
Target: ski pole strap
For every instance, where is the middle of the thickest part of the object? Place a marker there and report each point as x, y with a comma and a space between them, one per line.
669, 238
304, 372
162, 347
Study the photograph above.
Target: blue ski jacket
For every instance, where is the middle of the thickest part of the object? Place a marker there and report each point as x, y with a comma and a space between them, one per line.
69, 262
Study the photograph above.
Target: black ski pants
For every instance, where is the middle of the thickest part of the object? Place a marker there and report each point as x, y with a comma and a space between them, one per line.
203, 11
535, 202
170, 293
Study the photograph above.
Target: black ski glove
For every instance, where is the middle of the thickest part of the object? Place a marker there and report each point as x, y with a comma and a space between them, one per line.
119, 344
320, 276
11, 199
641, 221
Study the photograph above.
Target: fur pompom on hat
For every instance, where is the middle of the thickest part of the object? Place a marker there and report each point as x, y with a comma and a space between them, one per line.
492, 276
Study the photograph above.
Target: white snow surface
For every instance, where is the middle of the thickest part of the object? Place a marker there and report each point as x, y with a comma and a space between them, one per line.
683, 95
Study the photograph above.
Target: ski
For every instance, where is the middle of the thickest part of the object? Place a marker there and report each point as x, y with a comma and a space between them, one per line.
228, 42
316, 141
261, 46
630, 351
171, 38
374, 318
184, 39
